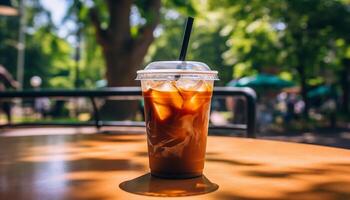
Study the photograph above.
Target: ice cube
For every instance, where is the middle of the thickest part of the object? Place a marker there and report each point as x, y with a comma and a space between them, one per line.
203, 86
162, 111
187, 85
149, 84
194, 103
193, 93
165, 86
193, 85
167, 94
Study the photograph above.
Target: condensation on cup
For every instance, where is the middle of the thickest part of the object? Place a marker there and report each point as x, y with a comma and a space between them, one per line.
177, 97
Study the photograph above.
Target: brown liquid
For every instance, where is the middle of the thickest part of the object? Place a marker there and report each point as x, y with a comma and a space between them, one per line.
177, 127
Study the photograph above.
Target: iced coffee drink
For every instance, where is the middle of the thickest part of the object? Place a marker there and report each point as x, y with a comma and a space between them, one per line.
177, 99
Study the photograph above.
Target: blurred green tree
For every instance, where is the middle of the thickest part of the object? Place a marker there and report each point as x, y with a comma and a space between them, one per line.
47, 55
207, 43
309, 37
313, 27
298, 36
123, 45
120, 32
124, 30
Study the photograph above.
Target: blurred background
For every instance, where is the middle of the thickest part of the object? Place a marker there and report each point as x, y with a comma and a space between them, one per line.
294, 54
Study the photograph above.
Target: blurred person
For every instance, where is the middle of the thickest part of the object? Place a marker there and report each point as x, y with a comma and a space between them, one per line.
264, 112
281, 105
299, 107
216, 118
282, 96
237, 106
264, 117
290, 101
41, 104
329, 108
6, 81
239, 116
229, 103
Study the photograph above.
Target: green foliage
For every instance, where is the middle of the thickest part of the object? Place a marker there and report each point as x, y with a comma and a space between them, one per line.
46, 55
206, 44
184, 7
235, 37
283, 35
8, 42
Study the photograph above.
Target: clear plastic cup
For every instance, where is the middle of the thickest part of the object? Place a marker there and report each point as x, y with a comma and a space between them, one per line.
177, 96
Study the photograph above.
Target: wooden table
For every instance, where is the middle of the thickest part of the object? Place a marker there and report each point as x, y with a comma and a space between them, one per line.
92, 167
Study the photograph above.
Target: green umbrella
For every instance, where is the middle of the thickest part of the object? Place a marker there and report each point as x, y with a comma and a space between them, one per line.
320, 91
262, 81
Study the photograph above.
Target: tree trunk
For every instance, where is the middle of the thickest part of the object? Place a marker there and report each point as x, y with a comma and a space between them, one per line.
345, 86
304, 90
119, 73
121, 68
123, 53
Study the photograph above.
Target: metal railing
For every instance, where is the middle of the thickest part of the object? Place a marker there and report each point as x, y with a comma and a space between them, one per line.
127, 92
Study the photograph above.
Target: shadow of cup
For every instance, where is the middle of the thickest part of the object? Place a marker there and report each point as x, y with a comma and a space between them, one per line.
153, 186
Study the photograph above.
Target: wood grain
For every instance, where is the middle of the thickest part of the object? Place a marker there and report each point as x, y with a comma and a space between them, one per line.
92, 167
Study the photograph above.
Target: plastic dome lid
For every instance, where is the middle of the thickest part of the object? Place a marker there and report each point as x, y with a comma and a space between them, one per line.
174, 70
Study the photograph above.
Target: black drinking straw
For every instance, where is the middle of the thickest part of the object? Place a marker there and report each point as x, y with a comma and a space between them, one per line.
186, 38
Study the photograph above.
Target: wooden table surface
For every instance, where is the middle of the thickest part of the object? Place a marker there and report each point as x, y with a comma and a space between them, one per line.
93, 166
